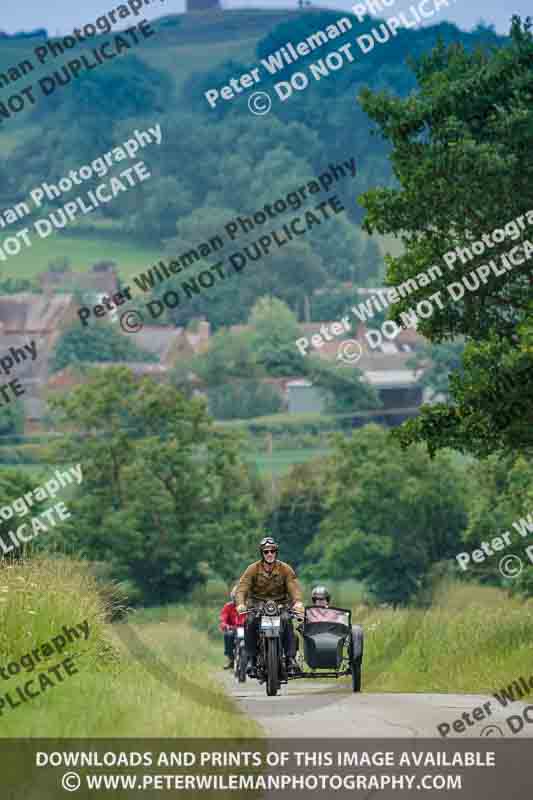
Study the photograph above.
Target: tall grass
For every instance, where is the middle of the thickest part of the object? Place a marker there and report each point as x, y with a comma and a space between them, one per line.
117, 691
473, 639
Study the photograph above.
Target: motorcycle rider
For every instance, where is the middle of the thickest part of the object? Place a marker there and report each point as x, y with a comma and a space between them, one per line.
320, 598
268, 579
230, 620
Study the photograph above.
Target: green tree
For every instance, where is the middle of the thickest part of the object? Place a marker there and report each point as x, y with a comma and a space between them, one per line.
230, 355
502, 495
390, 515
13, 485
12, 418
162, 488
342, 385
462, 159
274, 331
233, 524
299, 510
438, 361
16, 285
231, 371
95, 343
244, 399
61, 264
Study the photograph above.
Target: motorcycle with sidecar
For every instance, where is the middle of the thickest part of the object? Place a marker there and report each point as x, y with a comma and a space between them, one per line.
332, 646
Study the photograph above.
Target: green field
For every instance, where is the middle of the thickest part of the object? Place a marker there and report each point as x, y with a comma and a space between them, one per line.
281, 461
276, 464
82, 252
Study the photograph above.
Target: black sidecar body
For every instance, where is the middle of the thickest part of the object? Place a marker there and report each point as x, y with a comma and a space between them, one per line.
326, 634
332, 646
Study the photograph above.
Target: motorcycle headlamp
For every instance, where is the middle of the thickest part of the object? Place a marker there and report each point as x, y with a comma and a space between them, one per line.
270, 608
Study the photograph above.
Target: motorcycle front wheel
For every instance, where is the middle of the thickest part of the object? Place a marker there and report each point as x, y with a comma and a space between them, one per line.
272, 666
241, 669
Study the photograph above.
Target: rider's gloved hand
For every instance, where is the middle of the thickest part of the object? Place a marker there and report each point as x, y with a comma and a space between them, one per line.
298, 608
241, 609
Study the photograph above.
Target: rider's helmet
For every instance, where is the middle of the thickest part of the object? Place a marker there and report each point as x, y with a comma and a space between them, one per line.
320, 593
268, 541
233, 592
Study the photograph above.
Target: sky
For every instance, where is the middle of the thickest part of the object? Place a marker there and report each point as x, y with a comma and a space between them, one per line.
62, 16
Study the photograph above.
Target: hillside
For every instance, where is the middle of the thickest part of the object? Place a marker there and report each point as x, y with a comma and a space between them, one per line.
189, 195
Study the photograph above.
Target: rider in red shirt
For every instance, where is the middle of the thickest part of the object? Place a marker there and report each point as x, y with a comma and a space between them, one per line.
230, 620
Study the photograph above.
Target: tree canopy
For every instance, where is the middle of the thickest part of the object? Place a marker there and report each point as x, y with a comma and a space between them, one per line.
164, 492
95, 343
462, 159
390, 515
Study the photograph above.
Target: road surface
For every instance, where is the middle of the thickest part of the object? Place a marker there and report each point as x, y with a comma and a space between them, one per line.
330, 709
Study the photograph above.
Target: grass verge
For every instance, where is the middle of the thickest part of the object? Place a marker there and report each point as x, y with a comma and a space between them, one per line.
113, 693
473, 639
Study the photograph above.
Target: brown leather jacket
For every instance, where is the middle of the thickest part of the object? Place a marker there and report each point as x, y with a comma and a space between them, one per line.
257, 584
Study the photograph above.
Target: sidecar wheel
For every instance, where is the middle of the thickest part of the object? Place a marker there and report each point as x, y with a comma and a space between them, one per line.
356, 674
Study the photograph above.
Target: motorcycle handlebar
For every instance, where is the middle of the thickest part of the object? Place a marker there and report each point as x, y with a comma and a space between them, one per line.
290, 611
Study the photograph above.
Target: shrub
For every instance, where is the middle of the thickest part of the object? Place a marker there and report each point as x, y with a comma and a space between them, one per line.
243, 399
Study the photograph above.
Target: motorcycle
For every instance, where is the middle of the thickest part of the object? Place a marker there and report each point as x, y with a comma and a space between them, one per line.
239, 655
333, 648
271, 666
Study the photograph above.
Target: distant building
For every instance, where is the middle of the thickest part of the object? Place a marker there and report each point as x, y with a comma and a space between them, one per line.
42, 318
39, 317
384, 368
168, 343
202, 5
304, 398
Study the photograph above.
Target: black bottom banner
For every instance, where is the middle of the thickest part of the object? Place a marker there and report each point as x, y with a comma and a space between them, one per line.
45, 769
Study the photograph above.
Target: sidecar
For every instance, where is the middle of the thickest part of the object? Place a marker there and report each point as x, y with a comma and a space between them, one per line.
332, 646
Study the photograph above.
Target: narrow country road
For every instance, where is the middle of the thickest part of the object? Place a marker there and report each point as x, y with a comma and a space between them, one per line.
324, 709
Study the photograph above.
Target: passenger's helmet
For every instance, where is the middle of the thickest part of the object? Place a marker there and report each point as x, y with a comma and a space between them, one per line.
268, 541
320, 593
